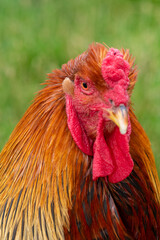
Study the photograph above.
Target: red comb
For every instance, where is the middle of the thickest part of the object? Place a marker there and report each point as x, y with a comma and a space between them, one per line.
115, 69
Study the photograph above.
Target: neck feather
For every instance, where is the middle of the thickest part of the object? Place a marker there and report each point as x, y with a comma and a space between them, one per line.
41, 162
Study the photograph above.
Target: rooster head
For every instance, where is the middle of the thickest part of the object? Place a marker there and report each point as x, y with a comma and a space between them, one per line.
97, 106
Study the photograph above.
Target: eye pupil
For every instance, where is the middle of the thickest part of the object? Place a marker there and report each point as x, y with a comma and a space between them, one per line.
84, 85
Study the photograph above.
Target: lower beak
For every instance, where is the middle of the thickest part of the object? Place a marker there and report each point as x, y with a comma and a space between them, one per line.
119, 115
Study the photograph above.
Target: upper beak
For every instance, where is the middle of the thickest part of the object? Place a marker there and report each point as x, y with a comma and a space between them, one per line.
119, 115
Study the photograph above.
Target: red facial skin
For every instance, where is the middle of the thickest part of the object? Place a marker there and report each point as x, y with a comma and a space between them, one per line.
90, 126
88, 103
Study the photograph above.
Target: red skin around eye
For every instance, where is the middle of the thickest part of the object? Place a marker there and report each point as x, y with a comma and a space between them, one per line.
79, 86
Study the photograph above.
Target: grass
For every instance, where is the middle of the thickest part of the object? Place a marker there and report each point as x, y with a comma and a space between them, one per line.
38, 36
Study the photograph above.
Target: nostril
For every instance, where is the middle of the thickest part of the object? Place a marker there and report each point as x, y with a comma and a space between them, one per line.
111, 101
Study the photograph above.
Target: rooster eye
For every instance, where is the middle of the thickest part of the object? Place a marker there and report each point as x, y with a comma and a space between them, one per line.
84, 85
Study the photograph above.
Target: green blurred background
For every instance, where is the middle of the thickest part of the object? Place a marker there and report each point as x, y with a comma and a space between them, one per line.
37, 36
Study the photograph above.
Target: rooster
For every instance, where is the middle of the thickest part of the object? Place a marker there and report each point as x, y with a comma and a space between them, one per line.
79, 165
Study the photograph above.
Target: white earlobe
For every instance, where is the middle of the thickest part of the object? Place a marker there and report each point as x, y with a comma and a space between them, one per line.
68, 86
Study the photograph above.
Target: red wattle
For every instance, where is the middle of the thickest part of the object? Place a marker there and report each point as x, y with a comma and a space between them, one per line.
102, 159
119, 146
111, 156
78, 133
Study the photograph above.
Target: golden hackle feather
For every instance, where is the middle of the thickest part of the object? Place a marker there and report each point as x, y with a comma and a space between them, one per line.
44, 177
141, 143
34, 171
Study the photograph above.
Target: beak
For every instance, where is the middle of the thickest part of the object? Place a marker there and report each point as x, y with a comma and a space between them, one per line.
119, 115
